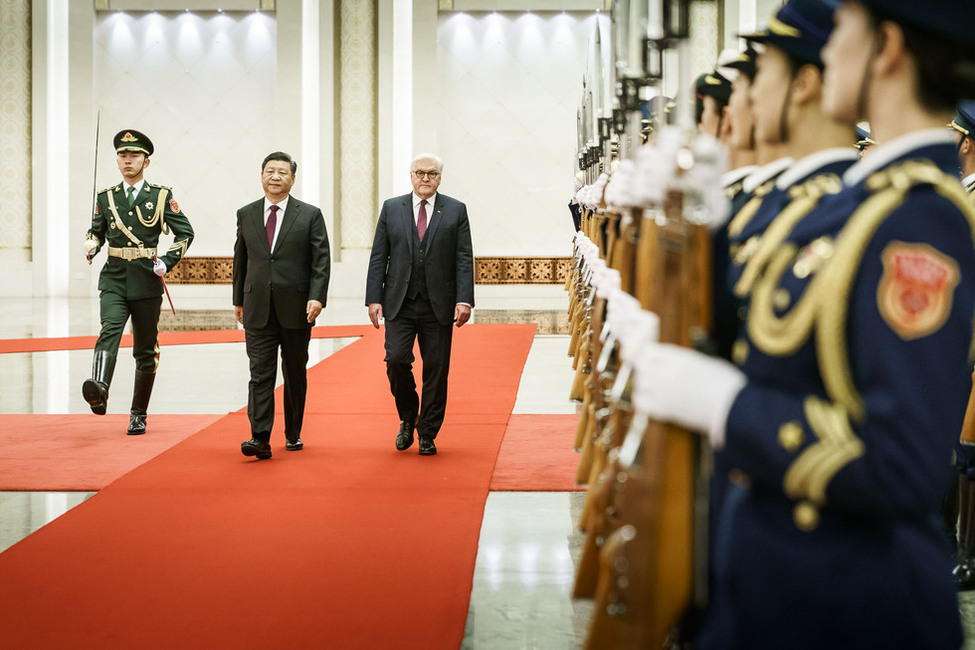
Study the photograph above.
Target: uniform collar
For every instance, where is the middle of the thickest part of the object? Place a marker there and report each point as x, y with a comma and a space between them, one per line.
969, 180
138, 186
882, 155
814, 161
735, 175
765, 173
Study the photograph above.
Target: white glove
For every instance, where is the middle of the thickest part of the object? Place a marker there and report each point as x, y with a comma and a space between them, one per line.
159, 267
90, 245
688, 388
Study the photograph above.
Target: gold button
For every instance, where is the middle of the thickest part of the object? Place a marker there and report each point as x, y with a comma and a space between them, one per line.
781, 299
790, 435
806, 516
739, 351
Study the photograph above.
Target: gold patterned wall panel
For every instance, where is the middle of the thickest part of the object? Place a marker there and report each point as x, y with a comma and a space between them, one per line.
15, 124
356, 162
487, 270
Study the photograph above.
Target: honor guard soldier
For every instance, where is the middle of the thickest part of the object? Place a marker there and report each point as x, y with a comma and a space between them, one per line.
845, 407
964, 124
713, 91
128, 220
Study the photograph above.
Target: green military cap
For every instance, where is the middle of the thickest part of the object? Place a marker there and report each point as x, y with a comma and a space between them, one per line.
132, 140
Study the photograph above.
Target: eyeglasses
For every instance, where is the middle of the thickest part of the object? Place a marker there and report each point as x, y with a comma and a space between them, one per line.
431, 175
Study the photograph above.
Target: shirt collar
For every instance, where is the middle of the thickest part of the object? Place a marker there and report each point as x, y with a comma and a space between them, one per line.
282, 205
809, 164
882, 155
137, 186
969, 180
416, 200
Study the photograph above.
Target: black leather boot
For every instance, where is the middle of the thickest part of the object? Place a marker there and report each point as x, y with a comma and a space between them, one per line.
95, 390
140, 402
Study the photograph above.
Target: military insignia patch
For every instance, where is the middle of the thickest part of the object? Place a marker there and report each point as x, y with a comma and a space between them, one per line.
915, 291
148, 205
96, 208
173, 205
128, 137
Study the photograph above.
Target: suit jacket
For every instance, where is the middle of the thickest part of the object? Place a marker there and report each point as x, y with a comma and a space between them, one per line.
296, 271
448, 257
144, 220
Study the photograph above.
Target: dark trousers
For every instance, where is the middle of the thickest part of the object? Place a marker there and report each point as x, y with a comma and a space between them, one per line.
115, 309
416, 321
262, 351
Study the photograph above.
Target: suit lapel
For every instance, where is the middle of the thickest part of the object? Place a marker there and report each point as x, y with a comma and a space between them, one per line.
409, 226
288, 220
433, 223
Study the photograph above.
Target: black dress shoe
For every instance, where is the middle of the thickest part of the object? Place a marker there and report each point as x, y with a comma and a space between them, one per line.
427, 448
404, 439
96, 394
294, 445
137, 424
255, 447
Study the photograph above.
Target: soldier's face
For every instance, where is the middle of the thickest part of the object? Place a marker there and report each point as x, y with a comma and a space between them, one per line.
710, 117
846, 57
277, 180
425, 177
769, 94
132, 165
740, 114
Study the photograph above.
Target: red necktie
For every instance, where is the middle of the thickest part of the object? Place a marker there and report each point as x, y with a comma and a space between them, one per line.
272, 222
421, 219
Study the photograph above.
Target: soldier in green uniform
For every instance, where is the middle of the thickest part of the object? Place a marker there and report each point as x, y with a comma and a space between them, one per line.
128, 219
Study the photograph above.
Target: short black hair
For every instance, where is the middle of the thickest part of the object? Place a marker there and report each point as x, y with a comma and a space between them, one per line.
945, 67
280, 155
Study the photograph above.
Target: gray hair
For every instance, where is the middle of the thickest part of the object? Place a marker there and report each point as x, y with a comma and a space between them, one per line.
427, 156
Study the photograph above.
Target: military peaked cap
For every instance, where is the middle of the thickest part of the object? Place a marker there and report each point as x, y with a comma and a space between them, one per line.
800, 28
132, 140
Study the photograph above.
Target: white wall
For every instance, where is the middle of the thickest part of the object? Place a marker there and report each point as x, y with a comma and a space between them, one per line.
505, 119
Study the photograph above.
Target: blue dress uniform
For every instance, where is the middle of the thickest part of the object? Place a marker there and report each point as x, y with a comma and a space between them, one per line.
857, 342
129, 287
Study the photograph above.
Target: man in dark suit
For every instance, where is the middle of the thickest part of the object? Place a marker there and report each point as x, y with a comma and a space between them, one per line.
421, 279
281, 270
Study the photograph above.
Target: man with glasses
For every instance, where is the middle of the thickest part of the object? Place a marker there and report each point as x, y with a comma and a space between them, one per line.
420, 280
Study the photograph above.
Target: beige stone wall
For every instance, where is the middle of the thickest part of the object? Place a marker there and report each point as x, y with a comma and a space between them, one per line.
15, 127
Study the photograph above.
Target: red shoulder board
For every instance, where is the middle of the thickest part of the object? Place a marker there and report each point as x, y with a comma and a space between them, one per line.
915, 291
173, 205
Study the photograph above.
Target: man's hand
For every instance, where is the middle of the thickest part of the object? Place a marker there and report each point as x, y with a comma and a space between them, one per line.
375, 313
159, 267
462, 314
239, 313
313, 309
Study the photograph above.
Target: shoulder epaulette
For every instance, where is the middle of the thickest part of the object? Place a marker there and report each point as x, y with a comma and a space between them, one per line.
159, 187
109, 189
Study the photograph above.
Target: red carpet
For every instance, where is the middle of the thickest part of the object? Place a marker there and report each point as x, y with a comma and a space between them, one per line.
166, 338
82, 452
536, 455
347, 544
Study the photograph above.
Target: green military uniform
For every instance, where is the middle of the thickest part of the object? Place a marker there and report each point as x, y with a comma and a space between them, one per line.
128, 284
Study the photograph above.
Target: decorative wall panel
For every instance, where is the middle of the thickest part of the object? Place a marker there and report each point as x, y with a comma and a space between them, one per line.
356, 157
487, 270
15, 124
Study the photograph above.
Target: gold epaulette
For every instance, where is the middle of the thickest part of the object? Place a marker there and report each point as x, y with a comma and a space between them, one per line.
113, 188
159, 187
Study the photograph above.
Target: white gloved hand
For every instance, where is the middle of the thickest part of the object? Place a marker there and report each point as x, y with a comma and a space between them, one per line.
688, 388
90, 245
159, 267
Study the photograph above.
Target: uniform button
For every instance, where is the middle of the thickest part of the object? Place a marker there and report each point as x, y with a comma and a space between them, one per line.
806, 516
790, 436
129, 244
739, 351
781, 299
130, 213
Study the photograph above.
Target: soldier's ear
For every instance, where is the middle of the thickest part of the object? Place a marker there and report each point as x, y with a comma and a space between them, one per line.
145, 163
807, 87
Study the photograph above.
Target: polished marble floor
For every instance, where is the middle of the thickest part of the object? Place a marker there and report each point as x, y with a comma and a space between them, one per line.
529, 542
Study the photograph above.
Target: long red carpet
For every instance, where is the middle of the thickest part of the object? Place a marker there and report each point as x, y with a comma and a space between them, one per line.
347, 544
536, 455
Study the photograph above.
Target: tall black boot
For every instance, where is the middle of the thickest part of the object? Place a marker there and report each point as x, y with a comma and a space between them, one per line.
95, 390
140, 402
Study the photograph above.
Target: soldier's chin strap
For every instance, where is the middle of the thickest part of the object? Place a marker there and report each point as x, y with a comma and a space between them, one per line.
861, 107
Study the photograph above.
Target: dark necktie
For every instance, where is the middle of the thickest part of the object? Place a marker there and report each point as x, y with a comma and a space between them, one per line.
421, 219
272, 222
131, 197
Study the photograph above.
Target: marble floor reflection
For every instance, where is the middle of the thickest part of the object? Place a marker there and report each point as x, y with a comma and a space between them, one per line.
529, 542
